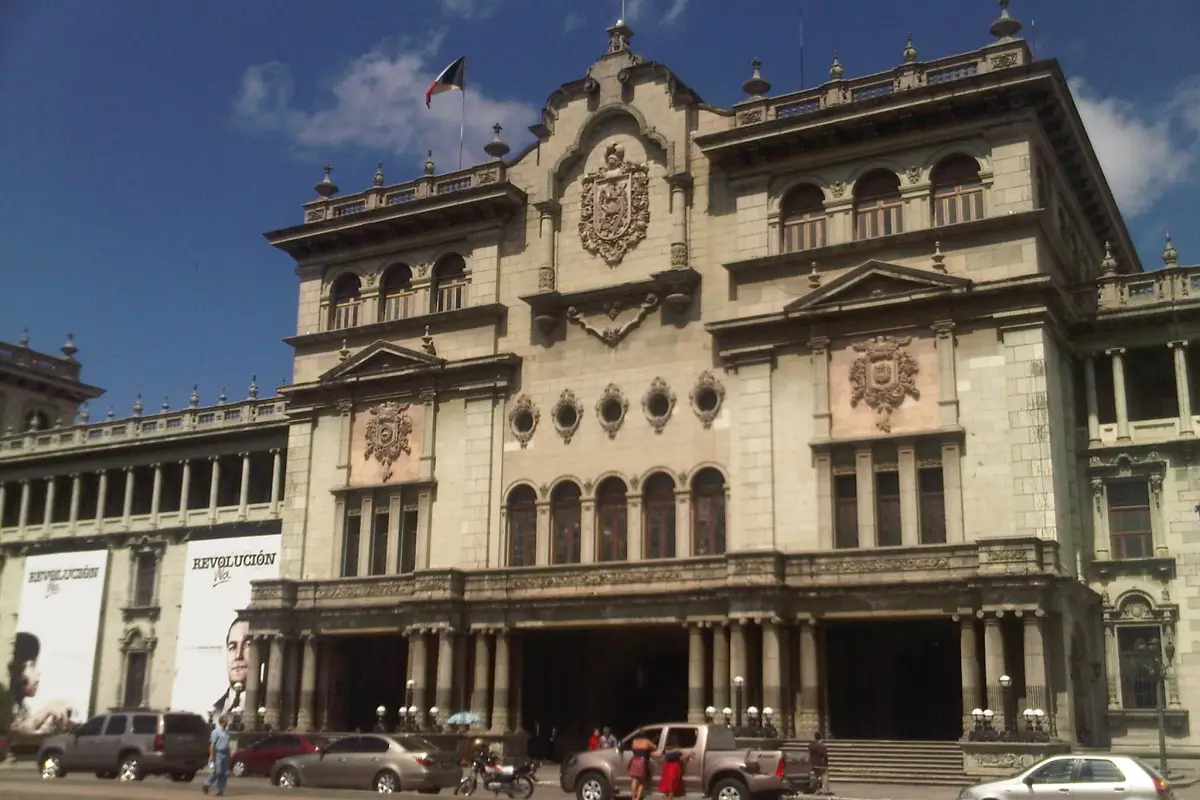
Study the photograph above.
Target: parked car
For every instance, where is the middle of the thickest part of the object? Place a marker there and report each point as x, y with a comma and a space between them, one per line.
260, 757
719, 768
1082, 777
377, 761
129, 745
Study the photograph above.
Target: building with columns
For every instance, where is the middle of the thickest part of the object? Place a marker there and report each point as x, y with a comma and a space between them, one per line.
847, 402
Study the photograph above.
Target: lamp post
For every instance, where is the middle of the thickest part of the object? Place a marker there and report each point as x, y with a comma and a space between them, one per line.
380, 713
739, 683
433, 718
1151, 652
408, 691
1005, 692
727, 712
402, 719
262, 716
709, 714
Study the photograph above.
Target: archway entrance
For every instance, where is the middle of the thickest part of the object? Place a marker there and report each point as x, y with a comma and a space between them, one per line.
894, 680
370, 672
577, 680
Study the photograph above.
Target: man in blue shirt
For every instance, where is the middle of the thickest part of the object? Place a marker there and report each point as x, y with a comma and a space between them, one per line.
218, 753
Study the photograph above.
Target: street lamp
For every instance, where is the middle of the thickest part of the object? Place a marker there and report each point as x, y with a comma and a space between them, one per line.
709, 713
433, 717
402, 719
768, 715
1155, 657
380, 713
409, 685
1005, 691
739, 684
727, 712
262, 715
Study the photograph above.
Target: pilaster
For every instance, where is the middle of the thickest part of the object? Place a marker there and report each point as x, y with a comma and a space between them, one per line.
947, 374
1117, 354
720, 675
500, 688
864, 475
696, 700
1183, 392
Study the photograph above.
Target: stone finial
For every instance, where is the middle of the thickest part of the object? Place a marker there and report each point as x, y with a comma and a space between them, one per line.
326, 187
24, 340
1108, 264
1170, 255
166, 406
378, 179
496, 148
910, 52
427, 342
253, 390
344, 353
69, 349
58, 422
618, 38
939, 258
85, 413
194, 398
429, 165
111, 414
756, 85
1005, 28
814, 277
221, 398
137, 406
836, 71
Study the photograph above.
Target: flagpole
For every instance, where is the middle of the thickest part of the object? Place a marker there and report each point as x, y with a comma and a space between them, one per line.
462, 126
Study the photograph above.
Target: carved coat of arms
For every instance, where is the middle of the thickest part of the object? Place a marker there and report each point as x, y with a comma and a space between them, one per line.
882, 376
387, 435
615, 207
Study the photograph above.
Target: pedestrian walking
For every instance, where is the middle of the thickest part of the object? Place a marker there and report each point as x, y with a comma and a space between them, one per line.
218, 753
607, 740
639, 766
594, 740
818, 759
670, 784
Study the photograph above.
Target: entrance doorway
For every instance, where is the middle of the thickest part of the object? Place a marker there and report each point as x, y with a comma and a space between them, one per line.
577, 680
894, 680
371, 672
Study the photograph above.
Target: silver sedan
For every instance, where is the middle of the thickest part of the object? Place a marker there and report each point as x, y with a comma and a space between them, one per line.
378, 761
1079, 778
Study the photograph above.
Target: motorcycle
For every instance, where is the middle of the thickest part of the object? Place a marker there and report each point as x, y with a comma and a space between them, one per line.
516, 781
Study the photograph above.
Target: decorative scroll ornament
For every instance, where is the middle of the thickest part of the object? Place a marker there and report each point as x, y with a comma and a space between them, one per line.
883, 375
706, 397
387, 435
615, 207
567, 413
523, 419
611, 409
657, 404
612, 335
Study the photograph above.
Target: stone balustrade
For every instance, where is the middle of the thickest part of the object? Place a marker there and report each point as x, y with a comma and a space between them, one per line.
20, 356
1168, 286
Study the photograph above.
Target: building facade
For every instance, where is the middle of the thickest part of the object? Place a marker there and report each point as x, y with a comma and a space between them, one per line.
842, 403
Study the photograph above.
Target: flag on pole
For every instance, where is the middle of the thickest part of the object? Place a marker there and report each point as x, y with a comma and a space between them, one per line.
452, 77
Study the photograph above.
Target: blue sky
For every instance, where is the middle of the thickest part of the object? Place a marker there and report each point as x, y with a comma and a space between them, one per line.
147, 145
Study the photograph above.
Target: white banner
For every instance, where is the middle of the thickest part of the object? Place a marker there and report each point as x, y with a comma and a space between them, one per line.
54, 652
213, 644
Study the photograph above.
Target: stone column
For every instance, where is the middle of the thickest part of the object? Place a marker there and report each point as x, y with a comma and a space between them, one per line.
1036, 691
822, 418
3, 500
420, 672
696, 699
23, 511
1183, 392
1099, 520
76, 492
213, 485
290, 688
771, 665
250, 698
428, 436
101, 493
244, 489
808, 718
720, 675
274, 683
910, 516
547, 212
1112, 664
864, 475
184, 489
737, 662
1118, 369
679, 249
1093, 402
156, 494
500, 690
970, 670
543, 533
276, 475
993, 648
127, 507
684, 536
947, 375
308, 686
445, 673
481, 690
48, 511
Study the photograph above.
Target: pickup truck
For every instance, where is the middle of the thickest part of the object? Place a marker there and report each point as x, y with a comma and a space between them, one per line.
719, 767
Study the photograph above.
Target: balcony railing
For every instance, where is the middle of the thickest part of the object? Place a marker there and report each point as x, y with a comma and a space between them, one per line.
383, 196
20, 356
1167, 286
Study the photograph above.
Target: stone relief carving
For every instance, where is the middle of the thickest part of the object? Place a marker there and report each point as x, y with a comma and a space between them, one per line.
611, 409
612, 335
523, 419
568, 411
387, 434
1005, 760
1135, 608
851, 565
1006, 556
369, 280
882, 376
914, 174
658, 403
615, 207
679, 254
707, 397
837, 188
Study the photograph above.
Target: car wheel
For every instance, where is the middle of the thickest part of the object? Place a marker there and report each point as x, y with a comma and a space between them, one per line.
52, 767
730, 789
592, 786
288, 778
386, 783
130, 769
238, 769
183, 777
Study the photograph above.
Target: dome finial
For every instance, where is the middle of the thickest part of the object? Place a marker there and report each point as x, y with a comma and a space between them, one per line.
836, 71
756, 85
910, 52
85, 413
939, 258
326, 187
221, 398
194, 398
496, 148
429, 165
378, 174
166, 406
1170, 255
137, 406
69, 349
344, 353
1005, 28
253, 390
24, 340
1108, 264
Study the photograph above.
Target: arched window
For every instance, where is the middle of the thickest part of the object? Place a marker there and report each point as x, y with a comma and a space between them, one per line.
344, 301
802, 219
37, 421
957, 191
397, 294
565, 519
658, 502
522, 527
450, 283
612, 521
708, 513
877, 206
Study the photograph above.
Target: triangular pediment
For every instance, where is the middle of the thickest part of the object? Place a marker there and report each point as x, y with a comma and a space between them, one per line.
878, 280
382, 358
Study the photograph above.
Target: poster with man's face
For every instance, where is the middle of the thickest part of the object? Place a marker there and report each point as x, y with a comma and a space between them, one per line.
212, 663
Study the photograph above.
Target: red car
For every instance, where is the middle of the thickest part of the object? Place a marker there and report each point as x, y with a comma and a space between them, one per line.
258, 758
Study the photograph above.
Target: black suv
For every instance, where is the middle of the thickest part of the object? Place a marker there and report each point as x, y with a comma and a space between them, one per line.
130, 745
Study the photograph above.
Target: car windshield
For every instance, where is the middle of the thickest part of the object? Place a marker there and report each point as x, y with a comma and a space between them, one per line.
416, 744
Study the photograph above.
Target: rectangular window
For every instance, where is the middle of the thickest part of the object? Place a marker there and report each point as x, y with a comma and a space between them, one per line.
408, 535
522, 534
882, 219
1129, 519
350, 537
845, 503
400, 306
887, 509
345, 316
932, 505
451, 295
145, 575
135, 677
1137, 648
379, 536
803, 234
957, 204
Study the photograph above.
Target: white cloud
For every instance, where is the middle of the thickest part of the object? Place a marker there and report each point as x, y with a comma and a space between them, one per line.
638, 10
674, 12
470, 9
572, 22
378, 104
1143, 154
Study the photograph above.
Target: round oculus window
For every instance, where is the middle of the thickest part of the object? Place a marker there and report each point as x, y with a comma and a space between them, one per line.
523, 421
611, 410
566, 416
707, 399
658, 404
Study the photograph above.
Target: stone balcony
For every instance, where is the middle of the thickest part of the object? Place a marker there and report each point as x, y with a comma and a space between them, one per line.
51, 366
92, 529
1158, 290
1144, 431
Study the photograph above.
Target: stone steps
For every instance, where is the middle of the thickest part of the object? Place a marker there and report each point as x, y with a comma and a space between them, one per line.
876, 761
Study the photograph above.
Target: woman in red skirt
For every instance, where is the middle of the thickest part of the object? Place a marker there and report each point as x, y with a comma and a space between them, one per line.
670, 783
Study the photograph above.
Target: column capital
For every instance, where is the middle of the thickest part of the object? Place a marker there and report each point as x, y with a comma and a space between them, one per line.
1115, 351
1177, 344
183, 462
944, 328
819, 344
73, 475
156, 465
276, 451
214, 459
127, 470
244, 454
